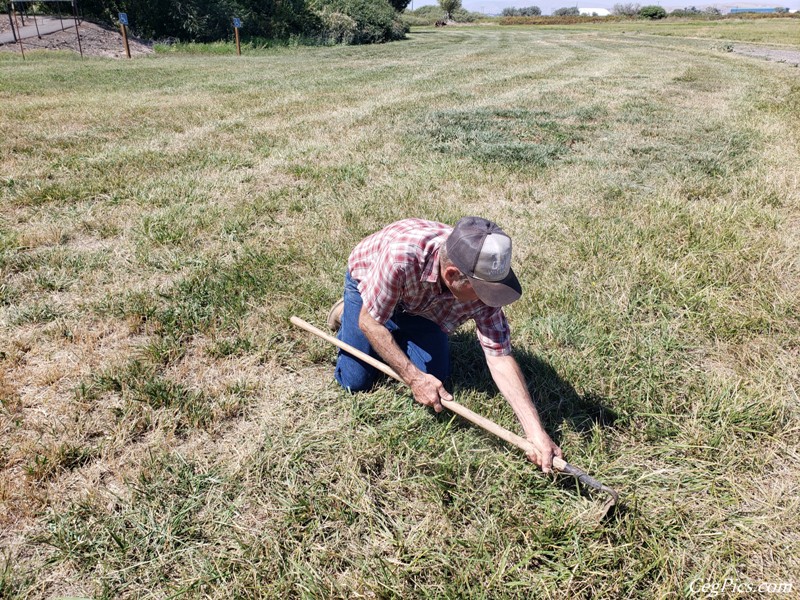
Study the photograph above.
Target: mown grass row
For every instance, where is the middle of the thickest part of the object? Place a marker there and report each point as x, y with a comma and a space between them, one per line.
779, 30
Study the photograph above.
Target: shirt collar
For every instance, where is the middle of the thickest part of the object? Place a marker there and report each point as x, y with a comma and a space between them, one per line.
430, 271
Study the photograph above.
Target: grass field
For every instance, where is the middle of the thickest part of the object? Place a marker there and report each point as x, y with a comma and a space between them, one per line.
165, 433
777, 32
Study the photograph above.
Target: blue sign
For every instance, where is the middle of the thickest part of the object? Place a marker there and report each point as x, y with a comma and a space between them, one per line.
237, 22
123, 18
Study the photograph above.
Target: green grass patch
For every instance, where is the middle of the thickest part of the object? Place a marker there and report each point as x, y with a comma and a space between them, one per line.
36, 312
162, 517
215, 295
515, 137
49, 462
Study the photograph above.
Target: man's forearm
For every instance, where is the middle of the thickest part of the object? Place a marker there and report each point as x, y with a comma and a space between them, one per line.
382, 341
509, 379
427, 389
511, 383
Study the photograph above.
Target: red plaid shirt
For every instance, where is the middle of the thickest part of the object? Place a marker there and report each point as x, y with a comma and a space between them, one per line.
399, 266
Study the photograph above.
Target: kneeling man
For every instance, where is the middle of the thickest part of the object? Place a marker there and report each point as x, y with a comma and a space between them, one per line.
414, 282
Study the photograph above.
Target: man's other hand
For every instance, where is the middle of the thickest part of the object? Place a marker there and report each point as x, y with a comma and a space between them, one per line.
543, 451
429, 391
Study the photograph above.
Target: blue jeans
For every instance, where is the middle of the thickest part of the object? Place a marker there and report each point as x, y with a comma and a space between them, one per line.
423, 341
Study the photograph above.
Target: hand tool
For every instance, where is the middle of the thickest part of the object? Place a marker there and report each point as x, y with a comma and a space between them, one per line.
520, 442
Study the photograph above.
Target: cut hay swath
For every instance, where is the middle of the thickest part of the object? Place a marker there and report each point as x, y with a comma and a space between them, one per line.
559, 464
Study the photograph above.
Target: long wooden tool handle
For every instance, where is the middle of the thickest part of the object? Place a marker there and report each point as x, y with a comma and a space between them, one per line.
504, 434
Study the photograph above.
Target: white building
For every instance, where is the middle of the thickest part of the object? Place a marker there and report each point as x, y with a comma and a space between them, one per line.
595, 12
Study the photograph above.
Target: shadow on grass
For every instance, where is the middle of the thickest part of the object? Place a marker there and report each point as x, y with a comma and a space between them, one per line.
555, 398
558, 402
560, 405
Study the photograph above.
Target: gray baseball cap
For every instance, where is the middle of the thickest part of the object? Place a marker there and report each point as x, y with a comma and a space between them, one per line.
482, 252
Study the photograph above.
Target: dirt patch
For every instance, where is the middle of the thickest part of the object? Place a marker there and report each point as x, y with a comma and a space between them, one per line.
790, 57
95, 40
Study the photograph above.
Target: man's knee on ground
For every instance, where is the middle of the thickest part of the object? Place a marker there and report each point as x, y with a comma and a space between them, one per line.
355, 379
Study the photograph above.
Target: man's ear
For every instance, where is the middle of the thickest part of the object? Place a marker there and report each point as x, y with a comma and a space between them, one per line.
451, 274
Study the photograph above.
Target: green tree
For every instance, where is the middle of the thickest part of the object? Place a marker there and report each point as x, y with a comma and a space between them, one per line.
399, 5
528, 11
567, 11
206, 20
327, 21
449, 6
375, 20
625, 10
652, 12
689, 11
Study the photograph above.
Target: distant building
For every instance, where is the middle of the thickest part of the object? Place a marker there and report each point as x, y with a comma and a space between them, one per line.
594, 12
752, 10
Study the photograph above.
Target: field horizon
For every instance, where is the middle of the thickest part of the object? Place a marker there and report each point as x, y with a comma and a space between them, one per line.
165, 432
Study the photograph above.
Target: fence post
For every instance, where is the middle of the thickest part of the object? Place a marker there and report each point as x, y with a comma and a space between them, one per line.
77, 31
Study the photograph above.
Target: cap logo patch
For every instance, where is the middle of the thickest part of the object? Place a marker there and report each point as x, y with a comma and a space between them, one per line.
494, 258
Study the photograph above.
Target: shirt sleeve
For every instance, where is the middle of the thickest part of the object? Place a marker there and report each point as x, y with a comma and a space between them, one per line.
381, 288
494, 333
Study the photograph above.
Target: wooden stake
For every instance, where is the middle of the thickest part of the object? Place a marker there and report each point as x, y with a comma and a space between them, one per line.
238, 47
125, 39
18, 34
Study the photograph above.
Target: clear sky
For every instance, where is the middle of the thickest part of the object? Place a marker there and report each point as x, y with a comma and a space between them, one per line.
548, 6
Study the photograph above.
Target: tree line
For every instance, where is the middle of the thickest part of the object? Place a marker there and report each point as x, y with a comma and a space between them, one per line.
310, 21
624, 10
